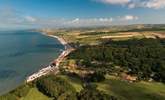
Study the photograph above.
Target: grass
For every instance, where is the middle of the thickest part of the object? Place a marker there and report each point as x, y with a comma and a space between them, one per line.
75, 82
34, 94
132, 91
113, 86
124, 90
94, 38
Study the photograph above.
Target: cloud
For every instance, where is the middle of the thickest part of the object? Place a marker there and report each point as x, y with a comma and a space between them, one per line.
154, 4
9, 16
129, 18
157, 4
30, 19
77, 22
115, 1
106, 19
12, 18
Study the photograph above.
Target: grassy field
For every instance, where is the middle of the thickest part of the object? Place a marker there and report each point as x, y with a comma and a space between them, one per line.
75, 82
94, 37
112, 85
34, 94
121, 89
132, 91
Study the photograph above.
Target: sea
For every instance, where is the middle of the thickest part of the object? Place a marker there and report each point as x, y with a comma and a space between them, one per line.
23, 52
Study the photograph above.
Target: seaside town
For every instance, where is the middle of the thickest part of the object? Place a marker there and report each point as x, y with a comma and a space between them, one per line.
53, 65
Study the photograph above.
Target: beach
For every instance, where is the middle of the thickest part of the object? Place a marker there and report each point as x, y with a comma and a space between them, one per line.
54, 65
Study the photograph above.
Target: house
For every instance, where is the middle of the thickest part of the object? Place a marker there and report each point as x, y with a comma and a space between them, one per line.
128, 77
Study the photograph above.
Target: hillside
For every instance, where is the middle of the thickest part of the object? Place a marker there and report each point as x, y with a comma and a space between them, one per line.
106, 65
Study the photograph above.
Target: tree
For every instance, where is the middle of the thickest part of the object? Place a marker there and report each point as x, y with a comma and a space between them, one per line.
53, 86
93, 94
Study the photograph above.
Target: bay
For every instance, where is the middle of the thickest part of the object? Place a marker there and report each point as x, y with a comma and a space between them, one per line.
23, 53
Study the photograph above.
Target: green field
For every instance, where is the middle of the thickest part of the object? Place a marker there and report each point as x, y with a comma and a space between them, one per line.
75, 82
123, 90
132, 91
34, 94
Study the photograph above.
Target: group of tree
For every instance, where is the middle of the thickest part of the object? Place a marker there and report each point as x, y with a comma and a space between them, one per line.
60, 89
97, 76
144, 58
56, 87
90, 93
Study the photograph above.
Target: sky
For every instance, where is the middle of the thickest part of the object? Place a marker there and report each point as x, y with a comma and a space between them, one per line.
79, 13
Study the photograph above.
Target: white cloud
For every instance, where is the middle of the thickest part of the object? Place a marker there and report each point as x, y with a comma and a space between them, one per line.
10, 17
126, 19
30, 19
77, 22
129, 18
157, 4
105, 19
115, 1
132, 5
154, 4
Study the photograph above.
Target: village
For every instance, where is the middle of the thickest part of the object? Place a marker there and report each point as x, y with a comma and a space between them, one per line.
53, 66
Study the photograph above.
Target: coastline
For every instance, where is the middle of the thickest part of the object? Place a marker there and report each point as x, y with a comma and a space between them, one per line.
54, 65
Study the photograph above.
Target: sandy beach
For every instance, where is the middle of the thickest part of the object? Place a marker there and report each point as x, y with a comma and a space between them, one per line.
54, 65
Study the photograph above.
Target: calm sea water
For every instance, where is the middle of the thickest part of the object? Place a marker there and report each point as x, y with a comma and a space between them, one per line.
21, 54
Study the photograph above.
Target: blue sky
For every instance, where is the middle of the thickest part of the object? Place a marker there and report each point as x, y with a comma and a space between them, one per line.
77, 13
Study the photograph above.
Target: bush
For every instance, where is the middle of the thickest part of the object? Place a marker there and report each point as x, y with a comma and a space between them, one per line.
21, 91
93, 94
95, 77
8, 97
53, 86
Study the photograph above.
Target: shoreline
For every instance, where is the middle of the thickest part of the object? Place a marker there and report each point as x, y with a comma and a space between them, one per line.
54, 65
